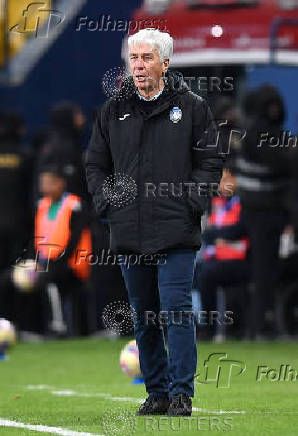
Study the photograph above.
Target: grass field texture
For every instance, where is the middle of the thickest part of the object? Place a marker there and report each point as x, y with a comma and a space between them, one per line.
76, 388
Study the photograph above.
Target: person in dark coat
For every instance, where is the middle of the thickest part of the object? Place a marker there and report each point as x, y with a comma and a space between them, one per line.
152, 160
263, 182
16, 204
62, 144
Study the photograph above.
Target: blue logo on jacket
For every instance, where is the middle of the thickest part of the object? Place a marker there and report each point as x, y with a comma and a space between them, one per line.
176, 115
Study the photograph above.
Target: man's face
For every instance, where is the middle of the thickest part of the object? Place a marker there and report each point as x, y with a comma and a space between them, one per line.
146, 67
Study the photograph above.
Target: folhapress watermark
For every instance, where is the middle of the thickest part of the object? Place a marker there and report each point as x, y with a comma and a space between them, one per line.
38, 20
284, 139
211, 138
107, 23
284, 373
218, 369
102, 257
105, 257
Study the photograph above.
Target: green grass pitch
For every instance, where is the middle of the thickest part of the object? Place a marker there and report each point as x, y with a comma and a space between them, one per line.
78, 386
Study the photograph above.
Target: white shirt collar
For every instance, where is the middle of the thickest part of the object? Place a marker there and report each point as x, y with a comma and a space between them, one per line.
155, 97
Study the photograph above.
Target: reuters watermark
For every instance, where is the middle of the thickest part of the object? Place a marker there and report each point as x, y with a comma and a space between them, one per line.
210, 83
121, 317
199, 83
188, 317
118, 422
185, 189
115, 78
122, 422
189, 423
123, 191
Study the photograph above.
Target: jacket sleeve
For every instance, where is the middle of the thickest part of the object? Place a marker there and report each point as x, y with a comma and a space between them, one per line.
98, 161
207, 158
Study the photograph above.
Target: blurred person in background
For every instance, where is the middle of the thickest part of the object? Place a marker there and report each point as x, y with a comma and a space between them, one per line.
225, 261
16, 203
62, 144
62, 232
227, 117
293, 192
263, 181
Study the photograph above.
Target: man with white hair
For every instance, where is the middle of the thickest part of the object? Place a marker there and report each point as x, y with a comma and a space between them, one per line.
158, 139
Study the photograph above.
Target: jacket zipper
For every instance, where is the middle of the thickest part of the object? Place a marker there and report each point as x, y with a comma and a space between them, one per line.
139, 184
139, 167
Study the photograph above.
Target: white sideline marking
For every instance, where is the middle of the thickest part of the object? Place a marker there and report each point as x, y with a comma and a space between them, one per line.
68, 392
218, 412
71, 393
39, 387
98, 395
44, 428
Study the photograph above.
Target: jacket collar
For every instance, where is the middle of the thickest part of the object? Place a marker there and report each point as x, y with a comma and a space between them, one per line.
175, 87
172, 100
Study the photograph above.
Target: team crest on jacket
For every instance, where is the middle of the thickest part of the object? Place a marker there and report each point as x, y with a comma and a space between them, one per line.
176, 115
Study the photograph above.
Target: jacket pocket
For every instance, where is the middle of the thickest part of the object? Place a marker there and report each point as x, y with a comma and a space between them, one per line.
190, 220
122, 214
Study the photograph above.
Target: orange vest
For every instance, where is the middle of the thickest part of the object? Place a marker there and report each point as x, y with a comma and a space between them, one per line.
52, 236
226, 213
232, 250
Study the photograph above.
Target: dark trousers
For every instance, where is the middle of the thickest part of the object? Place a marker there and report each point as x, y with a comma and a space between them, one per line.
213, 274
264, 230
10, 251
165, 287
73, 298
36, 311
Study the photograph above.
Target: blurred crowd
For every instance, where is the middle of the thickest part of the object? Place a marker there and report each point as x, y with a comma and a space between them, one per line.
249, 254
47, 217
247, 263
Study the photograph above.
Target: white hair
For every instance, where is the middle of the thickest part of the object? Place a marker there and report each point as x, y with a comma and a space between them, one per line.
160, 41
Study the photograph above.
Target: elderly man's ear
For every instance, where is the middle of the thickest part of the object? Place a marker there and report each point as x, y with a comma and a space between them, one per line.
166, 65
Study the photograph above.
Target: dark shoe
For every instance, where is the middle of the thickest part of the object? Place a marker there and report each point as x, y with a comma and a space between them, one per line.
154, 406
180, 405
